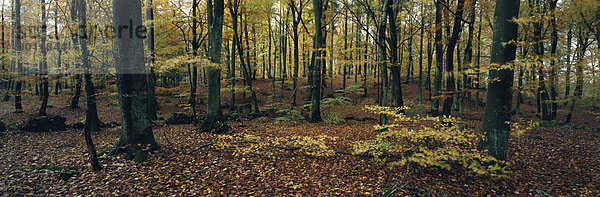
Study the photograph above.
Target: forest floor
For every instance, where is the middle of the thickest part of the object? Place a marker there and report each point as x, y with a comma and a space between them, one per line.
557, 160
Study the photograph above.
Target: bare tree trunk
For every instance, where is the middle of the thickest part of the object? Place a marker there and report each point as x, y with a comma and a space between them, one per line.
450, 84
499, 97
43, 67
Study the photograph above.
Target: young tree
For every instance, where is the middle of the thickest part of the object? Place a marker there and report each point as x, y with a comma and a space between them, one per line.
75, 41
17, 47
92, 122
296, 17
439, 58
214, 120
43, 66
136, 134
499, 95
152, 77
450, 84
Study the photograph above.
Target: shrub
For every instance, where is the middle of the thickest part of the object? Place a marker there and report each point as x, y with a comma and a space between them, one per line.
288, 115
437, 145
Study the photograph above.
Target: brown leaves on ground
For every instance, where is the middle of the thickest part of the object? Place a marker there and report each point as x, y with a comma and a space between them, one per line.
560, 162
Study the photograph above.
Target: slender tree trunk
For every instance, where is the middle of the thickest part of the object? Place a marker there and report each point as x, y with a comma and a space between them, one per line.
75, 40
467, 62
420, 86
345, 46
17, 47
553, 47
152, 77
245, 67
386, 8
578, 92
439, 58
450, 84
499, 97
296, 17
568, 64
396, 67
43, 67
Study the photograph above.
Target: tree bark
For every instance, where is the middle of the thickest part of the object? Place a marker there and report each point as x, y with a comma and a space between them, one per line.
450, 84
214, 120
316, 70
499, 97
439, 58
43, 67
136, 135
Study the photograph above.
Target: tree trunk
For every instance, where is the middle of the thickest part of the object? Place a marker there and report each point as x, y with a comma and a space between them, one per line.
499, 97
136, 135
439, 58
450, 84
43, 67
92, 120
214, 116
316, 71
386, 8
396, 67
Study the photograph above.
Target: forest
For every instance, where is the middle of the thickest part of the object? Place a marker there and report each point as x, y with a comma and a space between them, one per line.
300, 98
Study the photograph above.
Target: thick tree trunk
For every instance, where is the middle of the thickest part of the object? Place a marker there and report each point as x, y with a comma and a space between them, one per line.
245, 65
439, 58
17, 46
296, 17
92, 120
214, 116
553, 47
75, 40
582, 44
396, 67
152, 77
420, 83
497, 109
136, 135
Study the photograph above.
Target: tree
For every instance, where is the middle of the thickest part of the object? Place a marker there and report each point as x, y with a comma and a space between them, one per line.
17, 47
75, 40
499, 95
43, 66
383, 68
317, 60
456, 29
136, 135
439, 58
396, 67
152, 77
91, 116
214, 120
296, 17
